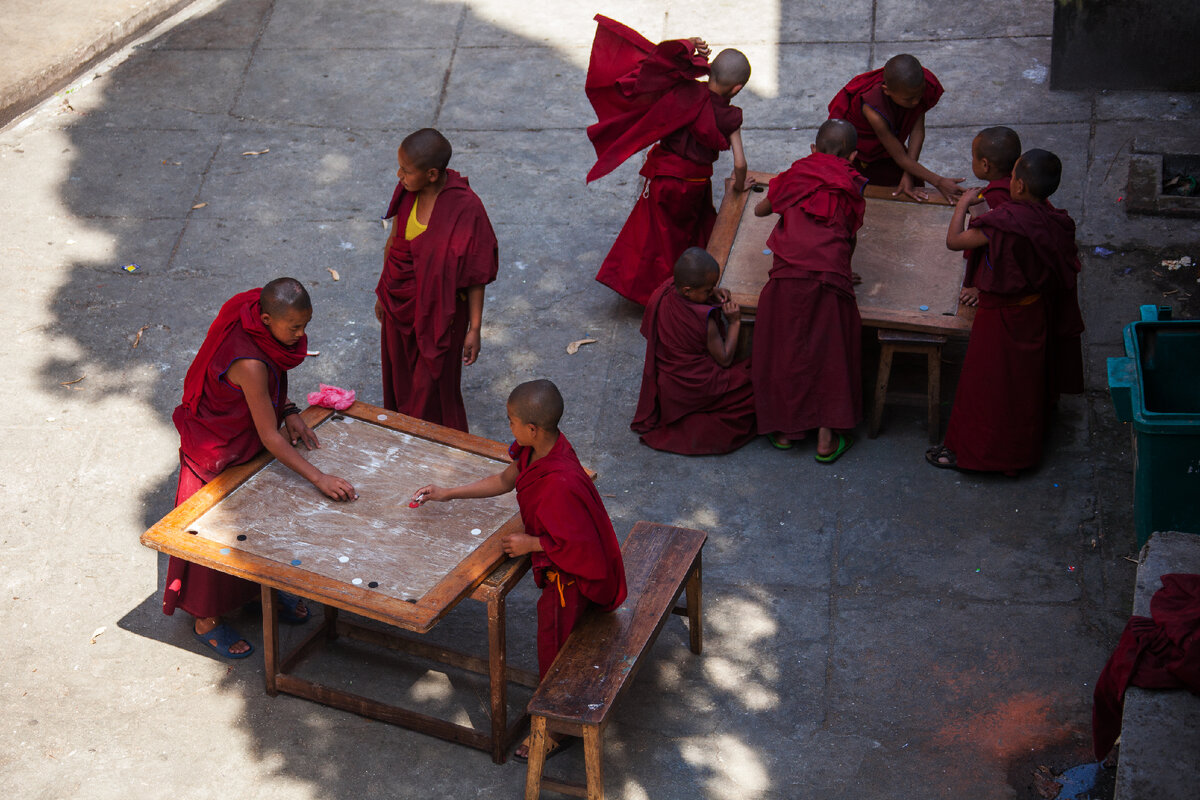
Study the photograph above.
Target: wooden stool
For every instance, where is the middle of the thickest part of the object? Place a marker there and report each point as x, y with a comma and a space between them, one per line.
927, 344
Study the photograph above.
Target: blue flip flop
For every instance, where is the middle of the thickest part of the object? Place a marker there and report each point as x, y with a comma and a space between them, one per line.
289, 611
844, 443
226, 637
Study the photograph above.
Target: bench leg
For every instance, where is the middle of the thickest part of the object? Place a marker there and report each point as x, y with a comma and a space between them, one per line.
694, 609
881, 387
537, 758
934, 370
593, 759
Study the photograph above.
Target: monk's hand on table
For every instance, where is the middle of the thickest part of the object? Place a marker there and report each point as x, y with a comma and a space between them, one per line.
905, 189
969, 296
731, 310
700, 45
425, 494
518, 544
299, 432
471, 348
949, 188
336, 488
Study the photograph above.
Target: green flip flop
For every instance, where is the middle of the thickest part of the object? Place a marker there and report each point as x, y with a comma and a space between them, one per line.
844, 444
778, 445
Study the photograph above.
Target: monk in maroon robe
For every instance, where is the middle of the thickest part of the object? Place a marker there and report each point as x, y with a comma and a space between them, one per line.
887, 108
994, 153
440, 254
235, 397
1161, 651
1025, 342
576, 557
694, 399
808, 333
642, 94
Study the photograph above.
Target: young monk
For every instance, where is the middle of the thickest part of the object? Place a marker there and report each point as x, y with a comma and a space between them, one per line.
642, 94
694, 399
235, 396
440, 253
887, 108
994, 152
807, 338
576, 558
1024, 348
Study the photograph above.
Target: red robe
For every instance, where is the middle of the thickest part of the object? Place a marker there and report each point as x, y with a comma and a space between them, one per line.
995, 194
867, 89
1024, 348
1161, 651
216, 431
644, 93
808, 333
560, 505
425, 313
689, 403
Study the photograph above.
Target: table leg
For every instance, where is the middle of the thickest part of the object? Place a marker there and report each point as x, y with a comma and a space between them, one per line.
593, 759
270, 638
331, 617
694, 608
498, 676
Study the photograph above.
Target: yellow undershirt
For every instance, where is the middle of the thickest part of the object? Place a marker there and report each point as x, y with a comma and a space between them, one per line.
413, 229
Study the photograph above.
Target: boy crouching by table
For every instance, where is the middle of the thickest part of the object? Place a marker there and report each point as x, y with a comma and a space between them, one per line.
576, 557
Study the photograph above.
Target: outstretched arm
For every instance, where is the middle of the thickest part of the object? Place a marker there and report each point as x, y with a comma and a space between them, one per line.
906, 161
739, 161
250, 376
492, 485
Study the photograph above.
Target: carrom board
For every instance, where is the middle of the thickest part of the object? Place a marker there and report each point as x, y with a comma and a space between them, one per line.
375, 555
901, 255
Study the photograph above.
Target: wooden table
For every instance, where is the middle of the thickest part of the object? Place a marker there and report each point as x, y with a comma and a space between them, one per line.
901, 256
374, 557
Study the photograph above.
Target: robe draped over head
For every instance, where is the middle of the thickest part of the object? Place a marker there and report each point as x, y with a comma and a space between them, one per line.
216, 430
560, 505
867, 89
1161, 651
689, 403
421, 290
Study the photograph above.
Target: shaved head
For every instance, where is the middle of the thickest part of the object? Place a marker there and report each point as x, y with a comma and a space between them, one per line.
730, 68
283, 295
695, 268
1041, 171
837, 137
427, 149
903, 73
537, 403
1001, 146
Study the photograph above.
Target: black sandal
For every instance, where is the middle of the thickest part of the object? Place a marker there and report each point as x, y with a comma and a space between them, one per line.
934, 456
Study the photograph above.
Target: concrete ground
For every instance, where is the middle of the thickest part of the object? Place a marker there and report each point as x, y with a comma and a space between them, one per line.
875, 629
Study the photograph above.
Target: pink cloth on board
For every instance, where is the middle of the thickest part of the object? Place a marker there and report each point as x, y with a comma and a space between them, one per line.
332, 397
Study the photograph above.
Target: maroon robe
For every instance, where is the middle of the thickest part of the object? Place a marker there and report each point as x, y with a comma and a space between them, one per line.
1024, 348
560, 505
422, 291
689, 403
1161, 651
644, 93
995, 194
867, 89
807, 332
217, 431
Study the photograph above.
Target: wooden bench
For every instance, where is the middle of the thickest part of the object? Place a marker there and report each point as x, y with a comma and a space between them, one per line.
604, 651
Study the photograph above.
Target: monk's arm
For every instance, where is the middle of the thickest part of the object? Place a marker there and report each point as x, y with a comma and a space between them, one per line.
475, 321
959, 236
250, 376
739, 161
386, 249
491, 486
723, 350
763, 208
901, 155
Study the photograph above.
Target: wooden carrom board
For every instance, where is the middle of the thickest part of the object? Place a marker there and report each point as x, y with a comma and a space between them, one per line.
901, 256
374, 556
265, 523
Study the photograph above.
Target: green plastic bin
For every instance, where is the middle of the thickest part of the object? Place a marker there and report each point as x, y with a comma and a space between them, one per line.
1156, 386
